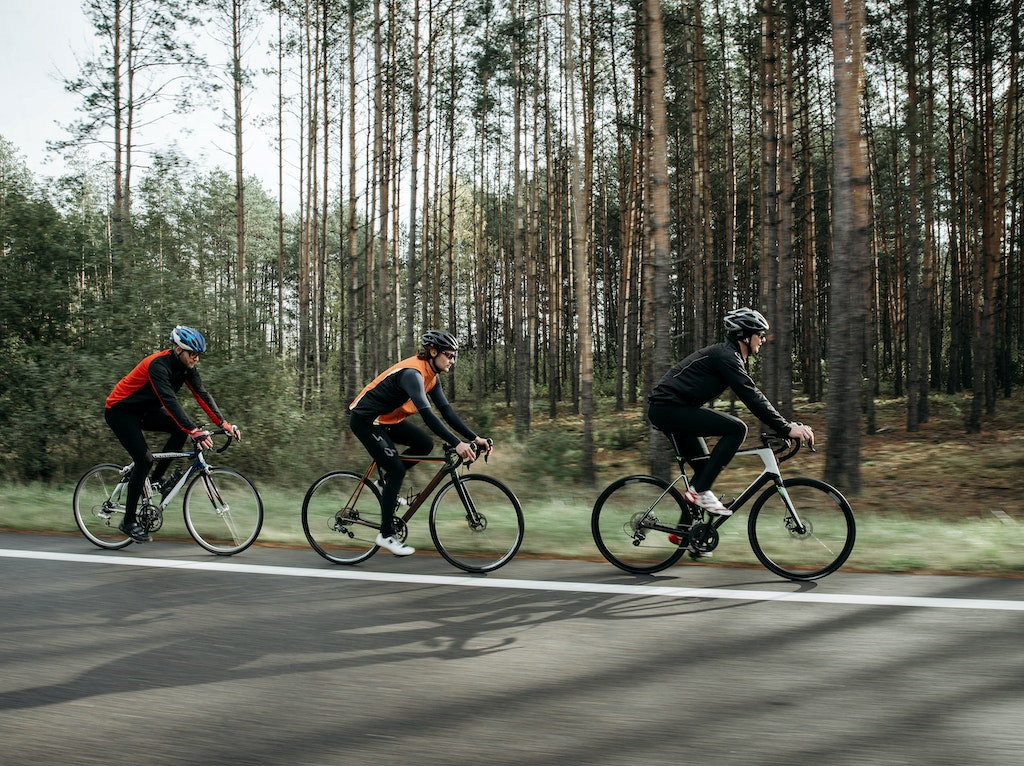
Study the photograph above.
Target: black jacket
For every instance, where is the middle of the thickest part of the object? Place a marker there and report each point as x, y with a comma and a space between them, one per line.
704, 375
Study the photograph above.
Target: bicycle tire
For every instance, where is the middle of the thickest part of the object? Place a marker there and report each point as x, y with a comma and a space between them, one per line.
223, 511
98, 505
341, 517
824, 544
631, 524
481, 536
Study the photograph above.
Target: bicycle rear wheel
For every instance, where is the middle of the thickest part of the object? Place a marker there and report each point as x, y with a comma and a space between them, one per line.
632, 521
341, 517
477, 525
99, 506
816, 546
223, 511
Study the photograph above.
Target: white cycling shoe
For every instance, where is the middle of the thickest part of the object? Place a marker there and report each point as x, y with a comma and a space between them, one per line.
707, 501
394, 545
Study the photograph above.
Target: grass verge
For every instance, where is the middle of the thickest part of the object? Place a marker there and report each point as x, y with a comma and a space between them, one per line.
558, 526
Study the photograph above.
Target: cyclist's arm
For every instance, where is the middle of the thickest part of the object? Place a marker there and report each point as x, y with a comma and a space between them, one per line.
411, 382
448, 413
203, 397
743, 386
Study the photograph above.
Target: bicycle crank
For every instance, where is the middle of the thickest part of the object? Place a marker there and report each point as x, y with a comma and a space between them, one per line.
704, 537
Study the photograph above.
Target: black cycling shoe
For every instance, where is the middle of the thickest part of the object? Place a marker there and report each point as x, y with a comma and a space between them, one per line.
135, 531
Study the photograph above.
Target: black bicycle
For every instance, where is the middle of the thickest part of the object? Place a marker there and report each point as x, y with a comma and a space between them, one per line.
223, 511
799, 528
475, 521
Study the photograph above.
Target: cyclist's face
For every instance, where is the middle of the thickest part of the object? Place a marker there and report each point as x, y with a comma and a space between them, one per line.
188, 358
756, 341
443, 360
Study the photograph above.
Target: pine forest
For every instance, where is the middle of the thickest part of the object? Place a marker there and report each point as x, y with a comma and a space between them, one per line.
579, 190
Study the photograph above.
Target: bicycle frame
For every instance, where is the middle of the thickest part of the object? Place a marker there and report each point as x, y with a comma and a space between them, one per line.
451, 463
771, 474
198, 465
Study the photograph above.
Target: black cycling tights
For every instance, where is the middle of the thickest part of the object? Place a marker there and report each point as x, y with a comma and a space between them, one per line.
128, 428
688, 426
380, 443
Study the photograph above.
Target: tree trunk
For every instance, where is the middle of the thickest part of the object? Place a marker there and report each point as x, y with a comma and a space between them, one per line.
657, 276
851, 225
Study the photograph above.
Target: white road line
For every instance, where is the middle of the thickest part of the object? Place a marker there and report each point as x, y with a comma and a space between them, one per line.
468, 581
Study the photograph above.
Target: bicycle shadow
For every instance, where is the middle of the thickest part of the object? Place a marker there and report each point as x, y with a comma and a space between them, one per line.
184, 642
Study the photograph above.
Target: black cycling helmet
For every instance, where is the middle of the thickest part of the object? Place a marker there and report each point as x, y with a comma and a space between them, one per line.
189, 339
439, 339
744, 322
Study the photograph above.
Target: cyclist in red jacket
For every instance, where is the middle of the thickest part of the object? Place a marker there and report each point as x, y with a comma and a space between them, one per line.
146, 400
378, 419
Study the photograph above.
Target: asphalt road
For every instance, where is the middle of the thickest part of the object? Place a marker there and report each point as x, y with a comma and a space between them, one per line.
163, 654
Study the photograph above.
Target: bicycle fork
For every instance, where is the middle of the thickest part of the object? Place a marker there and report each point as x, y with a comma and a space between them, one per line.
792, 520
477, 521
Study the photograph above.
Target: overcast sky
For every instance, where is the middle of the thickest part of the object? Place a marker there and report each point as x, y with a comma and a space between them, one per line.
38, 40
41, 40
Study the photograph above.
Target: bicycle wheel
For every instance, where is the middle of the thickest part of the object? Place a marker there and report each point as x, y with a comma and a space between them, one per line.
818, 546
99, 506
632, 521
223, 511
476, 525
341, 517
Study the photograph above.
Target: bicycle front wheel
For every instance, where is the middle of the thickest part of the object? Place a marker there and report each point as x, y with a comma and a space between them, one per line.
99, 506
223, 511
633, 521
341, 517
476, 523
814, 543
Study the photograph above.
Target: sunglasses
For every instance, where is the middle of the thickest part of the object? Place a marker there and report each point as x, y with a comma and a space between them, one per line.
449, 354
192, 354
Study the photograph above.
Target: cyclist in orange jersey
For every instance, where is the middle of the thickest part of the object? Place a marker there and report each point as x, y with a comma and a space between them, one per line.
378, 418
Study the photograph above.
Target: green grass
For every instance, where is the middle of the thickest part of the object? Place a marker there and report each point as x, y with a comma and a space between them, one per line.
558, 526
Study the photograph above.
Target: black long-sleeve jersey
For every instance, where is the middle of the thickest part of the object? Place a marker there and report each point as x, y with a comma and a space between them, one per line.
705, 374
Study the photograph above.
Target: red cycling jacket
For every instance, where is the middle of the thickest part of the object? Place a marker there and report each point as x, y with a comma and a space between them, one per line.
155, 383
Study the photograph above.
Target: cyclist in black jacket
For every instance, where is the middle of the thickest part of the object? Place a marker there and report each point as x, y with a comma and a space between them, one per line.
677, 404
146, 400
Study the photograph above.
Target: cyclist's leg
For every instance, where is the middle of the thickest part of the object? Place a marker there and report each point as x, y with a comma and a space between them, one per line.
416, 440
378, 443
161, 421
128, 430
731, 432
688, 425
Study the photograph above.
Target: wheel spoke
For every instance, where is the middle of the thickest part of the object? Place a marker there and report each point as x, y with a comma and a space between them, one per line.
635, 523
811, 547
223, 511
478, 529
341, 517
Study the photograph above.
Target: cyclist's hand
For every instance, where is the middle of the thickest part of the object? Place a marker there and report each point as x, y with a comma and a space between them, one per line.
235, 431
485, 446
201, 438
465, 451
801, 431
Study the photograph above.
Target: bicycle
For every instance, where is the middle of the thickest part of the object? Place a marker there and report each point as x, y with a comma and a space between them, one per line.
799, 528
223, 510
476, 522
